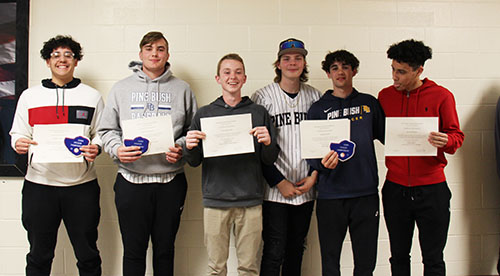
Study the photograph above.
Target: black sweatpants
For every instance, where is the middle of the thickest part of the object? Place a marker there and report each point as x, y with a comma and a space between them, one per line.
43, 208
426, 206
285, 228
361, 216
149, 210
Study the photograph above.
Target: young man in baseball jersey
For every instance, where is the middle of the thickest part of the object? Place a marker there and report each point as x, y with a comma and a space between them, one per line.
149, 190
60, 191
415, 190
289, 198
233, 185
348, 187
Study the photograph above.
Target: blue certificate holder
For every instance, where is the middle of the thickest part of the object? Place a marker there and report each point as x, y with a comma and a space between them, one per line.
344, 149
139, 141
74, 144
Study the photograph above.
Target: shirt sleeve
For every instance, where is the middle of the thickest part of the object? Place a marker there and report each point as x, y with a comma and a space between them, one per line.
379, 123
272, 175
20, 126
194, 156
449, 124
109, 128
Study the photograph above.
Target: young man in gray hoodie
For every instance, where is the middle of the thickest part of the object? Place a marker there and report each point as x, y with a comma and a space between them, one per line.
233, 185
149, 190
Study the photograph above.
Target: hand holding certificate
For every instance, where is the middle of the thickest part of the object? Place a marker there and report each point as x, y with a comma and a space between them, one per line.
58, 143
408, 136
153, 135
227, 135
317, 135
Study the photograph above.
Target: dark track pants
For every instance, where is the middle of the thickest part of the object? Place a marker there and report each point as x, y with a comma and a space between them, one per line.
43, 208
149, 210
361, 216
284, 232
426, 206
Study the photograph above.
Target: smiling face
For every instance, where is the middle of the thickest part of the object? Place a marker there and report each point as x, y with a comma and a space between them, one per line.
405, 77
154, 57
291, 65
231, 76
341, 75
62, 65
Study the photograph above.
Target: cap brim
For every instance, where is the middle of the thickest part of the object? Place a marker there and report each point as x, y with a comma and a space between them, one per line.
293, 50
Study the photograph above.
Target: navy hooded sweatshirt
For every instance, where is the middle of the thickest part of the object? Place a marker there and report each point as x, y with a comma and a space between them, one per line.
358, 175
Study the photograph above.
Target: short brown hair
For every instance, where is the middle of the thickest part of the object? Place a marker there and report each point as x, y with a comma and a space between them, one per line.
152, 37
232, 56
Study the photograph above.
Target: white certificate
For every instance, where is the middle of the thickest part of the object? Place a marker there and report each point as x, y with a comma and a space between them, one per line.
408, 136
316, 136
158, 130
227, 135
51, 147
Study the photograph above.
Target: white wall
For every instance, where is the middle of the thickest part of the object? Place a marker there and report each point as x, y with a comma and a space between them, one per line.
465, 37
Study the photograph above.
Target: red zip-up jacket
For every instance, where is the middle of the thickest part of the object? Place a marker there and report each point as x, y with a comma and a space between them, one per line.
428, 100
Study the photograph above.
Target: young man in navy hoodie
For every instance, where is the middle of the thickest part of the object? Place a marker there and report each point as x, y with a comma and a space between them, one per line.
348, 190
60, 191
415, 190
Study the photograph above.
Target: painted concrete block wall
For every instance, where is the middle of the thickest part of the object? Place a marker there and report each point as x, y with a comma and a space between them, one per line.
465, 37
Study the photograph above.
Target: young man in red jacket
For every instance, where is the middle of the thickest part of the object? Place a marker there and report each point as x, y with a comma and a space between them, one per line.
415, 189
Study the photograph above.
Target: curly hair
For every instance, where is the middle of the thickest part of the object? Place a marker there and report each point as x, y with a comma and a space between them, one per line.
412, 52
343, 56
61, 41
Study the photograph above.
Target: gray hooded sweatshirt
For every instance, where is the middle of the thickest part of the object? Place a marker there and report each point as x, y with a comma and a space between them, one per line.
138, 96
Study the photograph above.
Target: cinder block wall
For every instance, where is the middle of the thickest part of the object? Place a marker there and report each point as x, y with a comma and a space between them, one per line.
465, 37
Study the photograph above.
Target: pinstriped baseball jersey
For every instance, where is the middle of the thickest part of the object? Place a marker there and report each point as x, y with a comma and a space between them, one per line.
286, 114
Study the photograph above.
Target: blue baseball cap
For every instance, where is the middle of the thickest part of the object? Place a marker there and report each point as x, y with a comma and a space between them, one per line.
292, 45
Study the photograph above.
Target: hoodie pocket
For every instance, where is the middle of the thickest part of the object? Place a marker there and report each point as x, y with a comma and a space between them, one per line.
233, 179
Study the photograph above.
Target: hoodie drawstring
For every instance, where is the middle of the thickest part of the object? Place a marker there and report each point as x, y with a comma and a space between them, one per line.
158, 98
63, 93
411, 193
147, 91
57, 102
151, 96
